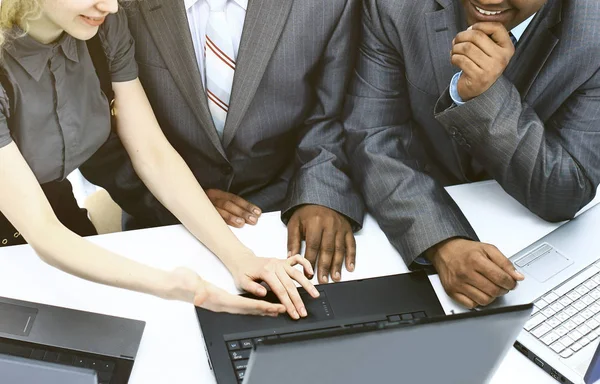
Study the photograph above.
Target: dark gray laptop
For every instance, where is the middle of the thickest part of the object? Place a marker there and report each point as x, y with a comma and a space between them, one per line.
18, 370
105, 344
457, 349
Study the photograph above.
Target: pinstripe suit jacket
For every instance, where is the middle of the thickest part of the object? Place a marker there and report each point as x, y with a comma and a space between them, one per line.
536, 130
283, 139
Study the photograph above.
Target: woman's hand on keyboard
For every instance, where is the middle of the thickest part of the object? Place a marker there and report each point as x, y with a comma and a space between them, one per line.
279, 275
186, 285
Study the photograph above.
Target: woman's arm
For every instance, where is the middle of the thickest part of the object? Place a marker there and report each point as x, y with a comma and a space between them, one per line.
24, 204
168, 177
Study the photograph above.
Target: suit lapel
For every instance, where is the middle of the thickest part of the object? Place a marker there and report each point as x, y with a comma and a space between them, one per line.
538, 43
442, 27
441, 30
264, 23
168, 25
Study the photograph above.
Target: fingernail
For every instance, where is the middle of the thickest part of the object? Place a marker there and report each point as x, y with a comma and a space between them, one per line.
303, 312
325, 278
519, 275
295, 315
256, 211
239, 220
351, 267
316, 292
289, 254
337, 275
311, 271
252, 219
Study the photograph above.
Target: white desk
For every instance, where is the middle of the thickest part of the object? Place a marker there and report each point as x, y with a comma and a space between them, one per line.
172, 350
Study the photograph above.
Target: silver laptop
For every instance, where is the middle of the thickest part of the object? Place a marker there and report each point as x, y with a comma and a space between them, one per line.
458, 349
562, 273
18, 370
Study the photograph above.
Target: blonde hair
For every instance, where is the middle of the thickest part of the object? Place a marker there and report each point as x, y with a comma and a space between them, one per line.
16, 12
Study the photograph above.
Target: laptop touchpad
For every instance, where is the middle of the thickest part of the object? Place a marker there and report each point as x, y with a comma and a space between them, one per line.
543, 263
16, 319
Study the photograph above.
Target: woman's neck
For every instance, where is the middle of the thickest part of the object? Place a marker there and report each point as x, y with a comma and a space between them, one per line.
43, 30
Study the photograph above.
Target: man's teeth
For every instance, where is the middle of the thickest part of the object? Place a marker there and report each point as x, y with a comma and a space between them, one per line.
487, 13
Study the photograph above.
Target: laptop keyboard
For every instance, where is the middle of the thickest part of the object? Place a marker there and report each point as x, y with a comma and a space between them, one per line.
104, 369
568, 318
239, 350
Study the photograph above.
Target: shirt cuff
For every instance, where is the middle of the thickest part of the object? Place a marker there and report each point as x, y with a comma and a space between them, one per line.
421, 260
454, 89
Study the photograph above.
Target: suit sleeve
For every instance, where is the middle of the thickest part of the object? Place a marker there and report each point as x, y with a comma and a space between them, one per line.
322, 174
413, 210
552, 168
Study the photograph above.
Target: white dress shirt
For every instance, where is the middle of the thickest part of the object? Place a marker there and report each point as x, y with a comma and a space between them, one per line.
197, 14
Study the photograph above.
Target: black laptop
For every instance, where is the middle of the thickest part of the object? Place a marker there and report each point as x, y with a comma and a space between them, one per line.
457, 349
105, 344
367, 303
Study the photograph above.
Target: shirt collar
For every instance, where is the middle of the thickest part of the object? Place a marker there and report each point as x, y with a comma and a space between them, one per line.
519, 30
33, 56
190, 3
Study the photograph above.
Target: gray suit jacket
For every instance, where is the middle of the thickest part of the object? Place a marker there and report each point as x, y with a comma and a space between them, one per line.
536, 130
283, 139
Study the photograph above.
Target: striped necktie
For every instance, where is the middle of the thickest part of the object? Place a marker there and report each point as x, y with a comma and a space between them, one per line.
219, 63
513, 38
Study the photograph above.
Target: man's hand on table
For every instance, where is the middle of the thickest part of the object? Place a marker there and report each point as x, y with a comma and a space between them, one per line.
328, 235
473, 273
233, 209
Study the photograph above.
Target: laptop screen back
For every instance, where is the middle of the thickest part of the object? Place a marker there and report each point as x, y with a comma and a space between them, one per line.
457, 349
592, 375
16, 370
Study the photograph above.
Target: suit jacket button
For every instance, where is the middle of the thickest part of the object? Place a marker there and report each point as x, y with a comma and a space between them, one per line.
453, 131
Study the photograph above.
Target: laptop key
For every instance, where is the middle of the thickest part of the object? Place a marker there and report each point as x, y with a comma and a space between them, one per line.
550, 338
407, 316
587, 313
575, 335
579, 305
240, 375
566, 353
534, 321
585, 341
577, 346
592, 335
557, 307
38, 354
65, 358
565, 301
570, 325
566, 288
584, 329
595, 294
541, 330
240, 355
240, 364
573, 295
246, 344
548, 311
592, 323
590, 284
578, 319
51, 356
233, 345
571, 311
562, 330
562, 316
595, 308
566, 341
588, 299
553, 322
582, 289
541, 304
557, 347
551, 297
